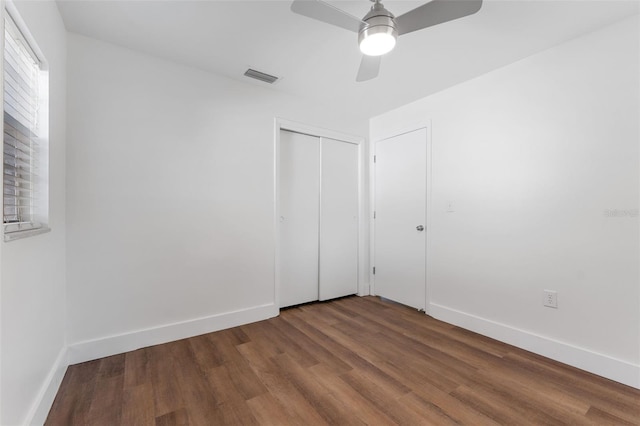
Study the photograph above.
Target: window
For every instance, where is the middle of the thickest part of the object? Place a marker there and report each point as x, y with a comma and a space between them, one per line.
25, 153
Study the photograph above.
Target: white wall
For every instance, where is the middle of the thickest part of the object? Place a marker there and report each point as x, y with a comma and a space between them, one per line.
32, 276
170, 197
531, 156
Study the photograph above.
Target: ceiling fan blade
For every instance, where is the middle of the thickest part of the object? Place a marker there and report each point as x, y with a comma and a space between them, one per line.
325, 12
369, 68
434, 13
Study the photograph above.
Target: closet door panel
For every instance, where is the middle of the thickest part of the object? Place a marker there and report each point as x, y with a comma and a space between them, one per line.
338, 219
299, 202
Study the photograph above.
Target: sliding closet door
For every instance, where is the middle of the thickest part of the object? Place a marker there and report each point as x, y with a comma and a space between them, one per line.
338, 219
299, 190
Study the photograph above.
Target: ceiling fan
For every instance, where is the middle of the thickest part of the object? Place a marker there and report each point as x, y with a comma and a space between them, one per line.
379, 29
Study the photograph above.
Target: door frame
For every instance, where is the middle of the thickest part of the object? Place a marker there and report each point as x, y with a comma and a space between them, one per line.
428, 207
320, 132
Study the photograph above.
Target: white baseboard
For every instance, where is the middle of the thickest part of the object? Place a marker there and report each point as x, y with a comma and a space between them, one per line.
40, 408
112, 345
593, 362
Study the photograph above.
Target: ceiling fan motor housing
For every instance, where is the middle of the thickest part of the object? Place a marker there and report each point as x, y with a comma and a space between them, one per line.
378, 21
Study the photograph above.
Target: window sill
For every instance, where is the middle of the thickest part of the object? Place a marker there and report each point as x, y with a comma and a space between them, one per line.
18, 235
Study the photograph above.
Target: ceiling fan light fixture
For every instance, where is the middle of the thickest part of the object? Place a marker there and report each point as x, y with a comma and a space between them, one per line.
378, 41
378, 34
379, 28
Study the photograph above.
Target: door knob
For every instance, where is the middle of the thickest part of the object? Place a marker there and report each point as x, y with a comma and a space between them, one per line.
420, 228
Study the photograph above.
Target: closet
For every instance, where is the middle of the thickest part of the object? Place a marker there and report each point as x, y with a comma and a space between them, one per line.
317, 204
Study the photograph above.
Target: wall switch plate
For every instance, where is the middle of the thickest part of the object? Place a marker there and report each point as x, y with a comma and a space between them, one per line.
551, 299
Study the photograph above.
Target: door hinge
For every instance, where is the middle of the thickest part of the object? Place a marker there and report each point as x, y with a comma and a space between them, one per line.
374, 270
374, 214
374, 158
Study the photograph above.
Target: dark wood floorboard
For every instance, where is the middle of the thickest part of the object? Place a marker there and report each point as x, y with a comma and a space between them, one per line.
350, 361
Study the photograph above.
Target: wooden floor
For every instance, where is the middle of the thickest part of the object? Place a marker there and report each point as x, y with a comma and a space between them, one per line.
347, 362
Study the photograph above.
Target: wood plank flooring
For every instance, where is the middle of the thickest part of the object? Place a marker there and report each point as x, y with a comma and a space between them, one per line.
347, 362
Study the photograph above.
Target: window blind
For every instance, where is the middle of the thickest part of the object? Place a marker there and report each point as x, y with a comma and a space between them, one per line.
20, 171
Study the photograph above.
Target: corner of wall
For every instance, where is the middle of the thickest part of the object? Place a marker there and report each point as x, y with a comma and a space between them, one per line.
44, 400
593, 362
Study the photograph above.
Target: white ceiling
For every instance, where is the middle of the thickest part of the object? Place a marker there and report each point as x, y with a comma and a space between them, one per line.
319, 61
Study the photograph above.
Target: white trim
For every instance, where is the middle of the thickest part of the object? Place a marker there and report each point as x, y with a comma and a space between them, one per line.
320, 145
363, 287
48, 391
276, 214
111, 345
372, 222
428, 262
593, 362
283, 124
18, 235
422, 124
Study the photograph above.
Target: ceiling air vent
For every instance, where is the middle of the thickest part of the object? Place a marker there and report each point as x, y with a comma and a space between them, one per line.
260, 76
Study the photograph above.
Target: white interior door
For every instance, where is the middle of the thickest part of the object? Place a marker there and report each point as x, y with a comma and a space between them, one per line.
338, 219
299, 211
400, 218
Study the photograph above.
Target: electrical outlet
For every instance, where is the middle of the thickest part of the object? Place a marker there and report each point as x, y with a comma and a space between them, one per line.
551, 299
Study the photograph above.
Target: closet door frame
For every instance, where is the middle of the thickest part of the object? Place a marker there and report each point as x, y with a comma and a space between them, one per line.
284, 124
